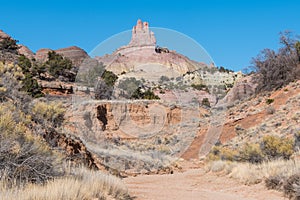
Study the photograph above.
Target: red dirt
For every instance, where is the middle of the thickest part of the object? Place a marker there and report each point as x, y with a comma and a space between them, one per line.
193, 151
280, 98
228, 131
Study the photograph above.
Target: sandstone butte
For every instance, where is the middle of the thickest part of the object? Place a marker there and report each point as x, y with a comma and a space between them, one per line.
75, 54
140, 51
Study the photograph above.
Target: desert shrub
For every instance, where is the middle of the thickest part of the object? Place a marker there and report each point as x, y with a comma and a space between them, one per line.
109, 78
200, 87
297, 140
222, 153
291, 187
128, 86
23, 157
52, 112
18, 77
102, 90
24, 63
297, 47
148, 94
251, 152
275, 147
223, 70
11, 85
105, 84
217, 166
214, 153
31, 86
164, 79
269, 101
8, 44
274, 182
205, 102
271, 147
270, 110
228, 154
89, 72
93, 74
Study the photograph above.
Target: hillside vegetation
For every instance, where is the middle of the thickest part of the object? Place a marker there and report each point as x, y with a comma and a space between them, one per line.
33, 165
264, 142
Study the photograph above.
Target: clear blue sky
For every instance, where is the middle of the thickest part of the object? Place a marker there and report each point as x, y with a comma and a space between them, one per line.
232, 31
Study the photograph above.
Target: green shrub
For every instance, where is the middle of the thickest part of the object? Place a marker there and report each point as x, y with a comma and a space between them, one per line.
9, 45
57, 64
109, 78
24, 63
269, 101
223, 69
148, 94
200, 87
31, 86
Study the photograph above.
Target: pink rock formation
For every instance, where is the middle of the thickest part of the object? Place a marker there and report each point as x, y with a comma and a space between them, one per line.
25, 51
42, 55
75, 54
141, 35
244, 88
3, 35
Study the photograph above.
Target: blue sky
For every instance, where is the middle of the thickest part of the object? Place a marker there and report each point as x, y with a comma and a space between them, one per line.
231, 31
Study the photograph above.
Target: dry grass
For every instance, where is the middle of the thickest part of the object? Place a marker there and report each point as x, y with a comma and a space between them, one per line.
255, 173
82, 184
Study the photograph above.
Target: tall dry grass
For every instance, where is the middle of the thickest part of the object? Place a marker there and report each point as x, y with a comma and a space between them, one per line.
255, 173
79, 185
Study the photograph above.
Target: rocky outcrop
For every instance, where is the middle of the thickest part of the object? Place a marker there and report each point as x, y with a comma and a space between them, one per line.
42, 54
26, 51
242, 89
75, 54
3, 34
140, 134
56, 88
7, 55
141, 35
74, 149
141, 52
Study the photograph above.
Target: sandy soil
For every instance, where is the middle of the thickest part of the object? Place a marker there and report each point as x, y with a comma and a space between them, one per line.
195, 184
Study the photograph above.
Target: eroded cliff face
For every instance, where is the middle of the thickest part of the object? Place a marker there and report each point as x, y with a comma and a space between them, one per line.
135, 136
123, 119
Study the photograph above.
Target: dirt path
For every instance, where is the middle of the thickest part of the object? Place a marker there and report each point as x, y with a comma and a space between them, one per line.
195, 184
